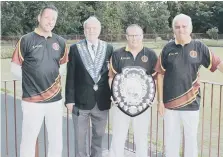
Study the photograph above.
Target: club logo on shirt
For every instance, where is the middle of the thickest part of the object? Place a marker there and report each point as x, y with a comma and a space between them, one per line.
55, 46
193, 54
144, 58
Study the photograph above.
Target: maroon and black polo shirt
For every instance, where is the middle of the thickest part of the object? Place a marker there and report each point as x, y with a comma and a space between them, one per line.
40, 59
180, 66
122, 57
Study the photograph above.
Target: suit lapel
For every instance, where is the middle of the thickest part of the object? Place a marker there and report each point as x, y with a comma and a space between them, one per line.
100, 57
86, 58
93, 68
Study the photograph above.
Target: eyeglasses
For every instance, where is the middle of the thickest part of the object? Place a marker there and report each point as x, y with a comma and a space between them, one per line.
134, 36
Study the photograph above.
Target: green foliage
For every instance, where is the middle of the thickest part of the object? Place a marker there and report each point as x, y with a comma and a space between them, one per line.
68, 21
217, 8
109, 15
20, 17
151, 16
205, 15
11, 20
200, 14
174, 9
213, 33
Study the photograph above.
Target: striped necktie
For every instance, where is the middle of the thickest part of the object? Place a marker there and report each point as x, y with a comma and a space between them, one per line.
93, 48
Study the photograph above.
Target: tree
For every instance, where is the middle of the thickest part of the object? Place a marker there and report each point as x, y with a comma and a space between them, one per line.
68, 21
151, 16
217, 8
205, 15
109, 15
84, 10
174, 10
31, 12
213, 33
200, 14
20, 17
159, 16
12, 15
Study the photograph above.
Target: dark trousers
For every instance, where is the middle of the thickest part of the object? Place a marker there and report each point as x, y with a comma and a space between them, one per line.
81, 120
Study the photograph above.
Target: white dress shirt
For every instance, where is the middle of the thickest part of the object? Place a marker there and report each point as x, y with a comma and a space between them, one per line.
91, 51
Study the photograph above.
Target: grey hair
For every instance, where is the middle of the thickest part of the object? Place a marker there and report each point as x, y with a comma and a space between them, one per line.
133, 25
92, 18
182, 16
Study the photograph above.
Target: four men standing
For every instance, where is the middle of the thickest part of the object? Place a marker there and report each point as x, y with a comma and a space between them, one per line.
39, 60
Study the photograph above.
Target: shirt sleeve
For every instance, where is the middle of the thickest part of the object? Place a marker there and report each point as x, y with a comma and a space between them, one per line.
19, 52
160, 66
153, 62
209, 59
114, 63
111, 72
64, 55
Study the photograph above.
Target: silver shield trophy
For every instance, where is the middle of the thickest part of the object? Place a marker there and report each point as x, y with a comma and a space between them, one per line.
134, 90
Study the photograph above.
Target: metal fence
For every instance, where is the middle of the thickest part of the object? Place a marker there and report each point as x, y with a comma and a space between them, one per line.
209, 134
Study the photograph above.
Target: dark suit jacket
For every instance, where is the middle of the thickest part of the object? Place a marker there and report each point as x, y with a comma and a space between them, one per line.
79, 84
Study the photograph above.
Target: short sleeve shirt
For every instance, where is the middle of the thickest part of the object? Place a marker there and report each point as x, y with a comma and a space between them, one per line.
180, 66
122, 57
40, 59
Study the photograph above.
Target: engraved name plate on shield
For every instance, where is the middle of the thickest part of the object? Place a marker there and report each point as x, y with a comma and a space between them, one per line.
134, 90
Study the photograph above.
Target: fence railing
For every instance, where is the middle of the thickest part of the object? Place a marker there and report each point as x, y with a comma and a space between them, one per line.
209, 135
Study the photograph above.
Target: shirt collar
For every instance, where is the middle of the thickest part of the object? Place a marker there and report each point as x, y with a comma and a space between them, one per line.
36, 30
184, 43
126, 48
90, 44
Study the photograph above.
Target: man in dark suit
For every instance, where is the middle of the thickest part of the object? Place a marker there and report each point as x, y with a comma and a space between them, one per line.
87, 89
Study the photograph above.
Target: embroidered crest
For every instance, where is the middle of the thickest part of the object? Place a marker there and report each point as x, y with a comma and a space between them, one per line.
193, 54
55, 46
144, 58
